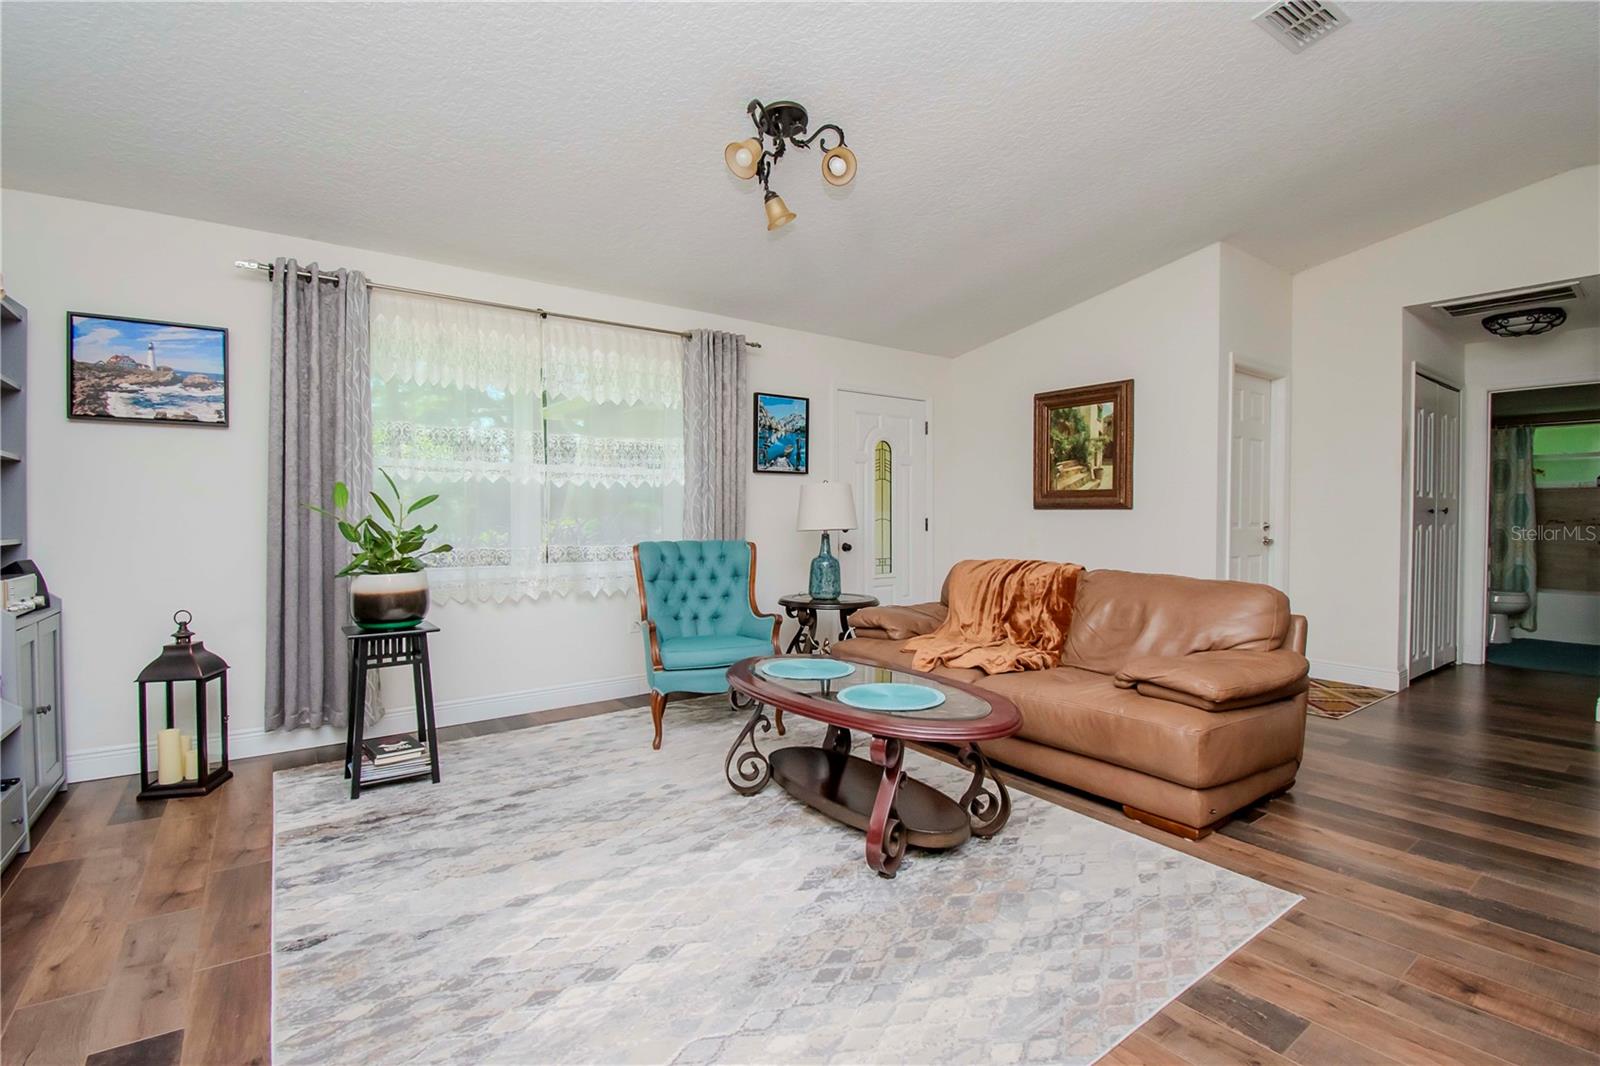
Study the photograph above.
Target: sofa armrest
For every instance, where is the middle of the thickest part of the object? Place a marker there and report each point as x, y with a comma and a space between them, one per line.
899, 623
1218, 680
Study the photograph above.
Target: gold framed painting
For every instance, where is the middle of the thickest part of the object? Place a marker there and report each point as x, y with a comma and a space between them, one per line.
1083, 447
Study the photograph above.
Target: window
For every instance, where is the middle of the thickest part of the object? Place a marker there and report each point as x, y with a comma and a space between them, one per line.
554, 446
883, 503
1567, 456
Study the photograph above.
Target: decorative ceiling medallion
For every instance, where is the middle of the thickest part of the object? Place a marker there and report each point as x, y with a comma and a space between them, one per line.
1528, 323
784, 125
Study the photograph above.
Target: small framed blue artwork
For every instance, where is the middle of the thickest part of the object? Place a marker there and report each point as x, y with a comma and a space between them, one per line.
137, 370
783, 434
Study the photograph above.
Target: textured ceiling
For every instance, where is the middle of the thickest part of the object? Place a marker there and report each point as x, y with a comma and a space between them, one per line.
1015, 158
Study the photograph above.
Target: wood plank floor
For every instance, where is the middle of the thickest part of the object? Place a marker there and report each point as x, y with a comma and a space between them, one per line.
1447, 843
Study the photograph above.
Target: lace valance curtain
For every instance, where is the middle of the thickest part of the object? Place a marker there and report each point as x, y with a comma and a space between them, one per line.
554, 446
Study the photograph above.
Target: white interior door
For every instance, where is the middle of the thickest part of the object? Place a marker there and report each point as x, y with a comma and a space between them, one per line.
1446, 521
1435, 524
881, 447
1250, 535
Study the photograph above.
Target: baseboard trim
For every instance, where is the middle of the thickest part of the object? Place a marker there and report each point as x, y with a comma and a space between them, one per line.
1350, 674
119, 760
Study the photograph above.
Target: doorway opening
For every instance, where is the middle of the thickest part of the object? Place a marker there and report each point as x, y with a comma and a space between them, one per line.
1543, 586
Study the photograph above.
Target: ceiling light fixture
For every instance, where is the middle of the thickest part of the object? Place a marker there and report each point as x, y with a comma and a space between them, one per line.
784, 124
1528, 323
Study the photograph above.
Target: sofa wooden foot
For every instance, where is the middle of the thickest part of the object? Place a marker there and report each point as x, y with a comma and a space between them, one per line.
658, 707
1167, 825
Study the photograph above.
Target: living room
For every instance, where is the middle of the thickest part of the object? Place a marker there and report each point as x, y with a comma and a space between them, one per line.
1153, 432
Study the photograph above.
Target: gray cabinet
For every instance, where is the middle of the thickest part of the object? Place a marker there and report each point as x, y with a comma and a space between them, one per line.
13, 805
31, 682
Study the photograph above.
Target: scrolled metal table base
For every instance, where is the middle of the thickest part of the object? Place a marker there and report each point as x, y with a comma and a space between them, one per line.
989, 809
750, 772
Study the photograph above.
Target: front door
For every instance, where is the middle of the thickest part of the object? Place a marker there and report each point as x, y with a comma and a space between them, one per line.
882, 452
1250, 534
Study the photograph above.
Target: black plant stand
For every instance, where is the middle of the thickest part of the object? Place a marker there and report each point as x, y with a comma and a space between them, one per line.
371, 649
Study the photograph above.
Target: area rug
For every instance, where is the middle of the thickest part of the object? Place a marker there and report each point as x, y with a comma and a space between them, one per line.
1336, 699
566, 894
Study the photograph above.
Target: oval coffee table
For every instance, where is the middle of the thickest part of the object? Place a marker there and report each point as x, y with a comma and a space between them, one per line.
875, 796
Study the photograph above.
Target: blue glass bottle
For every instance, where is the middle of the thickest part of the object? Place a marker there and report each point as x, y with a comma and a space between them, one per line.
825, 573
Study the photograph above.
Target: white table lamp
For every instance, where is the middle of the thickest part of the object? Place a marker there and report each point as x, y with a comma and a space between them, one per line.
824, 507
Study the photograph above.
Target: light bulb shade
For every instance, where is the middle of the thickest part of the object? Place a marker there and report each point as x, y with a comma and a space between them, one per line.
825, 506
778, 213
752, 152
846, 174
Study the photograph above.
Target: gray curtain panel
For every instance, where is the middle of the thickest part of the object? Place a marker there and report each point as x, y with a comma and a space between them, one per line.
319, 432
715, 440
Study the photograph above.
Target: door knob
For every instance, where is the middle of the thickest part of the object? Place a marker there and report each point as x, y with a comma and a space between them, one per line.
845, 546
1267, 541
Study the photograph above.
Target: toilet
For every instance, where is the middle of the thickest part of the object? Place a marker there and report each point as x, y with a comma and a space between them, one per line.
1503, 606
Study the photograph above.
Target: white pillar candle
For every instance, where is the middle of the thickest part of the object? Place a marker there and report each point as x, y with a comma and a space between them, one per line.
169, 757
191, 763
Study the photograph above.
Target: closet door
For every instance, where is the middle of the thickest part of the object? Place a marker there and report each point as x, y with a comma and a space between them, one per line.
1447, 522
1435, 525
1424, 562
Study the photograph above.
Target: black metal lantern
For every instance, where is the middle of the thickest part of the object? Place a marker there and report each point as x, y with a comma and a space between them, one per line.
183, 661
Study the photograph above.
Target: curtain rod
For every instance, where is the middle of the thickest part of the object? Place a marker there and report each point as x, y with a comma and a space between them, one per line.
266, 268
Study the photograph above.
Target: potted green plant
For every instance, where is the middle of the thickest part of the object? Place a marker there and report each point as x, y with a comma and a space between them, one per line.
388, 581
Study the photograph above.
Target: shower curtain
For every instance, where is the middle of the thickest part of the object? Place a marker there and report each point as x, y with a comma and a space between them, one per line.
1512, 529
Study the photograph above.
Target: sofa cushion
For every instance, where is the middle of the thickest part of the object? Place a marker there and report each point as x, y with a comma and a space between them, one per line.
878, 652
1086, 713
899, 622
1218, 680
692, 653
1121, 616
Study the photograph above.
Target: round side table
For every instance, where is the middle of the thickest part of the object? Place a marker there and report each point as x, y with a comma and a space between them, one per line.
805, 608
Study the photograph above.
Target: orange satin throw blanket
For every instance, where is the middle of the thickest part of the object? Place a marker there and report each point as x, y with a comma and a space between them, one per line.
1005, 615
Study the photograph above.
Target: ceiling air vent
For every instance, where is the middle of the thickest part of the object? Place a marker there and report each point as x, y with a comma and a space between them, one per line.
1299, 24
1489, 303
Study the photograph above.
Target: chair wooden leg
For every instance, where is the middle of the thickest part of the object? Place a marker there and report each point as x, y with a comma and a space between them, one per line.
658, 706
777, 717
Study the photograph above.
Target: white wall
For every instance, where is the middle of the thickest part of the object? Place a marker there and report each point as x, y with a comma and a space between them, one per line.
1162, 330
1351, 381
1564, 357
129, 523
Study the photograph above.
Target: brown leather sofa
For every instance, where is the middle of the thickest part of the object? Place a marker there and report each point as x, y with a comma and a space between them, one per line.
1181, 699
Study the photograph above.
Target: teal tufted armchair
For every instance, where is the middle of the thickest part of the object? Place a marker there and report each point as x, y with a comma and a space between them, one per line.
697, 607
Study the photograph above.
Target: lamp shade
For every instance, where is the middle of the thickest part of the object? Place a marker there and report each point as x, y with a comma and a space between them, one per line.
839, 166
743, 157
825, 506
778, 213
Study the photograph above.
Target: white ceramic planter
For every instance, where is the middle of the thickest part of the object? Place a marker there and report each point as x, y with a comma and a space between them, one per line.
389, 600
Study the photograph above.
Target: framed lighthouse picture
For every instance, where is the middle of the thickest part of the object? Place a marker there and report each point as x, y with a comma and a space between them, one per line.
138, 370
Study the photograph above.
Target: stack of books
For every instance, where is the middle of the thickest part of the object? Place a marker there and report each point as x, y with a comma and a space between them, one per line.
398, 756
